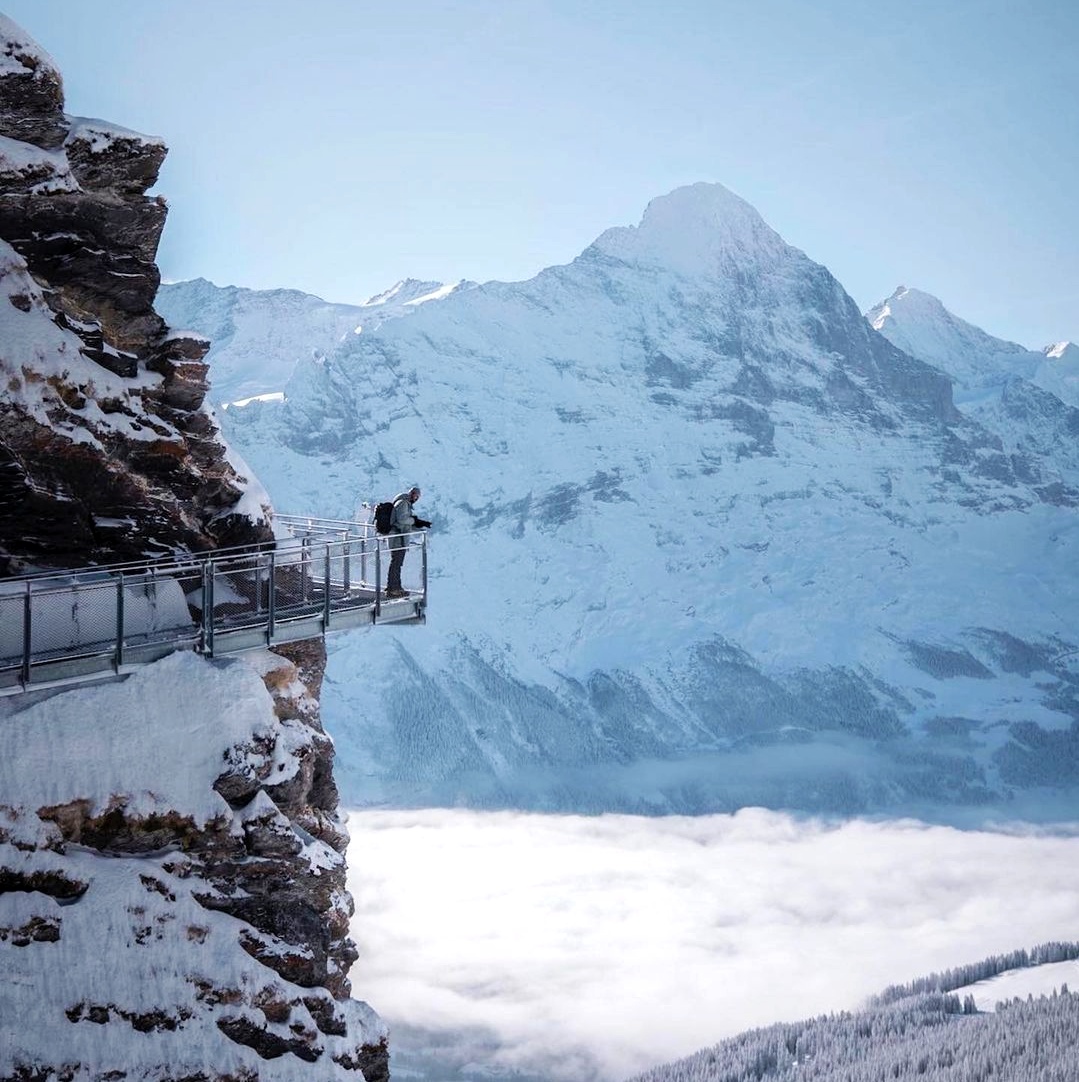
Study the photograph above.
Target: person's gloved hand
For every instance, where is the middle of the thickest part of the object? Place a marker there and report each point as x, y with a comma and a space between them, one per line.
422, 523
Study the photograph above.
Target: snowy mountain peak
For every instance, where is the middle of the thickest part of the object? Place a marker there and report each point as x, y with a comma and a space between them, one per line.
905, 304
919, 324
403, 292
979, 364
1059, 372
692, 230
1063, 351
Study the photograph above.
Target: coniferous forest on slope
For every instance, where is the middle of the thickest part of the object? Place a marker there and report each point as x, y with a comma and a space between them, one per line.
926, 1037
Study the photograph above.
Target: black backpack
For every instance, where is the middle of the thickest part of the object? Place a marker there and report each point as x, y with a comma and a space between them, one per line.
384, 516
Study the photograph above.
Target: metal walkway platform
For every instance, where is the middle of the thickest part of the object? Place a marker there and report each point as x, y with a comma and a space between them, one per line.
320, 575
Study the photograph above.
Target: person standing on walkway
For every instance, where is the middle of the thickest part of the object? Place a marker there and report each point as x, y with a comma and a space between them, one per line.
402, 522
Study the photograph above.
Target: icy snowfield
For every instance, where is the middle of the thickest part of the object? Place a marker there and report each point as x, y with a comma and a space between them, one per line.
702, 539
1019, 983
587, 949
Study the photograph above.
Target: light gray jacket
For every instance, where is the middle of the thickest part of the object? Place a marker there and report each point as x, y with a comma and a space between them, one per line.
402, 520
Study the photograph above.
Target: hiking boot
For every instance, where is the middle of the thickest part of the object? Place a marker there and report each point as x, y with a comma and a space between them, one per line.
397, 593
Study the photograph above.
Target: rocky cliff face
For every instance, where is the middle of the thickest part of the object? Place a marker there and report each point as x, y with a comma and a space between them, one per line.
172, 894
105, 447
216, 946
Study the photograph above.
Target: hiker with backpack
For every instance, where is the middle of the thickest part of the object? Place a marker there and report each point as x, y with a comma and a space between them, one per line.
401, 523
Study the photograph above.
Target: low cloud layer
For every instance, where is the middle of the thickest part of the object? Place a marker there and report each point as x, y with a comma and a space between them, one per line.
571, 948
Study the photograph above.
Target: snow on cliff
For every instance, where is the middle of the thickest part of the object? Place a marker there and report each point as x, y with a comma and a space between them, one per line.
173, 900
115, 943
19, 53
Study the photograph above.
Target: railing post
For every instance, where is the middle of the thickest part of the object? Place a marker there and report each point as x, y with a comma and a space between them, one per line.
270, 606
26, 636
305, 556
424, 565
346, 569
326, 592
378, 578
119, 620
363, 559
208, 608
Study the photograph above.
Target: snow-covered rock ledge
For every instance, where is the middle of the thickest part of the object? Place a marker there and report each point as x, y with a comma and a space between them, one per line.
172, 881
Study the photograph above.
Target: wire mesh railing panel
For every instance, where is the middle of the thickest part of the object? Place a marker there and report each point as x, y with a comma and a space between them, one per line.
12, 626
297, 582
73, 619
240, 592
156, 609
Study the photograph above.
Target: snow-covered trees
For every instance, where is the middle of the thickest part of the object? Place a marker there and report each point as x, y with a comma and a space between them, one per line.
918, 1032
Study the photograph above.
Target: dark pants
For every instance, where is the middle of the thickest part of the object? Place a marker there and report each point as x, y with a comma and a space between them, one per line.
397, 559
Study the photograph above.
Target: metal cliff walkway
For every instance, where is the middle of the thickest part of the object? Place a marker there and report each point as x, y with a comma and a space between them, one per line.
322, 575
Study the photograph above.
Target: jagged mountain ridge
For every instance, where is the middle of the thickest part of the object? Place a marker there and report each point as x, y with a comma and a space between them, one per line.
979, 364
1028, 399
702, 538
259, 336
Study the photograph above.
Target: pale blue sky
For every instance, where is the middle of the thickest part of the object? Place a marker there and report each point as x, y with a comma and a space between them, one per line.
336, 146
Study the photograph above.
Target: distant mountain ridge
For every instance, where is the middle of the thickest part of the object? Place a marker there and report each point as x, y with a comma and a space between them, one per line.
1028, 399
257, 336
703, 538
920, 325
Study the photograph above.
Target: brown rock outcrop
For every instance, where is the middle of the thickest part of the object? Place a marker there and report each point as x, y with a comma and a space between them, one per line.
31, 90
106, 448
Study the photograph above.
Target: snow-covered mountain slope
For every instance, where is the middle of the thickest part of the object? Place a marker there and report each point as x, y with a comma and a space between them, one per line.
1028, 399
1061, 374
979, 364
258, 336
702, 538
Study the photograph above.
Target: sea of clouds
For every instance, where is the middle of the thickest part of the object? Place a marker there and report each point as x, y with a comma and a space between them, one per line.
520, 946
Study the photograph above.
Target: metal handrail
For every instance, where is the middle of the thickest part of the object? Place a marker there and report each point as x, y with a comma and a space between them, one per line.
81, 622
169, 563
328, 523
175, 560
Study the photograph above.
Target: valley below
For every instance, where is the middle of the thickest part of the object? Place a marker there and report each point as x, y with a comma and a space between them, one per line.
517, 947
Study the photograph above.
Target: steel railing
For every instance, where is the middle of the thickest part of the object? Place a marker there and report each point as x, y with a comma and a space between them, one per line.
318, 576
